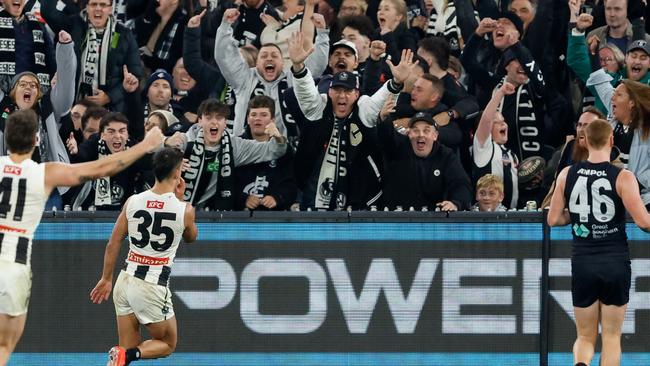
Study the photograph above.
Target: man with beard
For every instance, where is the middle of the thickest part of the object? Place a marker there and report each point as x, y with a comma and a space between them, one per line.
107, 193
490, 155
30, 50
575, 149
103, 46
266, 78
337, 162
213, 153
159, 96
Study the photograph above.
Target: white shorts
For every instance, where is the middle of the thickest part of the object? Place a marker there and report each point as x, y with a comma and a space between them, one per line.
151, 303
15, 288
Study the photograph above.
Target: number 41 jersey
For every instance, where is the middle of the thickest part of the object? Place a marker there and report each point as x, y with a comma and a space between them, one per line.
22, 199
156, 225
597, 211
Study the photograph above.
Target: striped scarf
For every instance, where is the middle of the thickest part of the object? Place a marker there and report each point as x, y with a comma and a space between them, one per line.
8, 51
94, 58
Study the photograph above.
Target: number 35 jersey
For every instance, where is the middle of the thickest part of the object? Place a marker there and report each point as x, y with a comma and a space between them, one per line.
22, 199
597, 211
156, 225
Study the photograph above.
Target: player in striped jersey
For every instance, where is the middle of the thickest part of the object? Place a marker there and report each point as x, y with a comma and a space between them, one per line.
154, 221
24, 189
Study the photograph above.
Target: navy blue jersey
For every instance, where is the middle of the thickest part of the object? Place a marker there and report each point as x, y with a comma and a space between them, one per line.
597, 211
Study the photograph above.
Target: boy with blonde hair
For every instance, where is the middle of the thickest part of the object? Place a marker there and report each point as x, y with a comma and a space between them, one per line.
489, 194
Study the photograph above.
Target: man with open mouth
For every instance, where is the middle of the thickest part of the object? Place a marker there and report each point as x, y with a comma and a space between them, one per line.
420, 171
212, 154
268, 77
337, 161
103, 46
108, 193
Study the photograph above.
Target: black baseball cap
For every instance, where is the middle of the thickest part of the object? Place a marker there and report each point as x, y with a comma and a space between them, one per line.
519, 24
423, 117
345, 79
639, 45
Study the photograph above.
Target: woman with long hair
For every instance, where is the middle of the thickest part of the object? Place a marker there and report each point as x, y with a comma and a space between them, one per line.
631, 121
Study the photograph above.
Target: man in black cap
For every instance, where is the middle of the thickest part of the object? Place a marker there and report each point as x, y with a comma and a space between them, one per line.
481, 62
337, 162
420, 172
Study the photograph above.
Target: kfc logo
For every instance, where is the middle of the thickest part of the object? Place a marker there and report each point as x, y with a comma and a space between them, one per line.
10, 169
156, 204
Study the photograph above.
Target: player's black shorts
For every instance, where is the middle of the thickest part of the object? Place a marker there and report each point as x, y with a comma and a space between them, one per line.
607, 281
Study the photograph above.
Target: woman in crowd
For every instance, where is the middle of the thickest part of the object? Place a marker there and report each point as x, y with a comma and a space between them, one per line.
631, 122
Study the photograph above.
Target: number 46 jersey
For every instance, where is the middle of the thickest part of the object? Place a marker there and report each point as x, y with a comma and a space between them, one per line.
597, 211
156, 225
22, 199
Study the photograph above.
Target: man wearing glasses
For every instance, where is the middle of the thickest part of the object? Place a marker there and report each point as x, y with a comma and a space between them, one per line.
103, 47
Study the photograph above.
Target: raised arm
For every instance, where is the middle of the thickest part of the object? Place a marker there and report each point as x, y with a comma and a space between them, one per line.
311, 103
484, 129
233, 67
369, 107
557, 215
59, 174
627, 188
316, 62
103, 288
62, 94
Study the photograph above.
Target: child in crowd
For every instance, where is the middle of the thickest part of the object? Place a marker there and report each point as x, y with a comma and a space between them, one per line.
489, 194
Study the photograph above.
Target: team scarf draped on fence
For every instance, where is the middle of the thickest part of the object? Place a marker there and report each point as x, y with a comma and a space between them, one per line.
333, 177
198, 184
94, 58
8, 50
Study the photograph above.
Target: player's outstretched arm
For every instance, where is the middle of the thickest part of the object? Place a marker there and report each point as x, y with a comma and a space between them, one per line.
191, 231
59, 174
627, 188
103, 288
557, 215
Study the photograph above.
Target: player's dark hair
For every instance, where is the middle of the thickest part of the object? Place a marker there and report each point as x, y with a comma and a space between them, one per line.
438, 48
165, 162
20, 129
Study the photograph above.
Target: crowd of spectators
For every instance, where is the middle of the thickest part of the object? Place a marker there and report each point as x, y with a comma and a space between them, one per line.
331, 104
